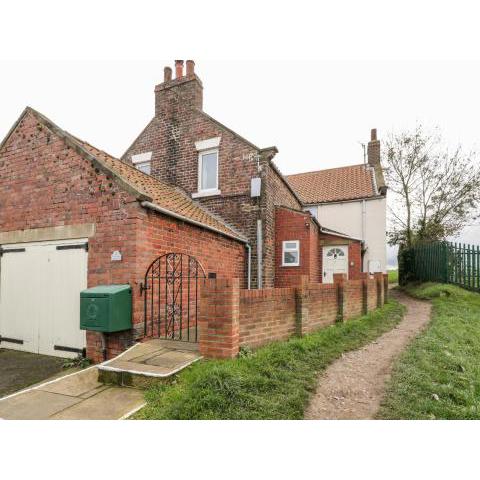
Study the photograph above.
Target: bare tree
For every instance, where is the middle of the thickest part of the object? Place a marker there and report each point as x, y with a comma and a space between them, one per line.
434, 192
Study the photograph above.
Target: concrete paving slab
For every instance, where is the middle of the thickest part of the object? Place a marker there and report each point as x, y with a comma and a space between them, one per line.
93, 392
75, 385
156, 357
111, 404
144, 358
142, 349
35, 405
172, 359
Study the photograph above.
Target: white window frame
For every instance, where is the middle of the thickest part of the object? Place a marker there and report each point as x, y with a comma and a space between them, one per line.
285, 250
138, 165
142, 159
209, 191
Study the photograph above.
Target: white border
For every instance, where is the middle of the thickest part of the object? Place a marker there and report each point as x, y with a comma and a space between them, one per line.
208, 144
142, 158
133, 411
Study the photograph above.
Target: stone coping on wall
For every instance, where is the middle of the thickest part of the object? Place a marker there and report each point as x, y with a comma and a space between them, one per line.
62, 232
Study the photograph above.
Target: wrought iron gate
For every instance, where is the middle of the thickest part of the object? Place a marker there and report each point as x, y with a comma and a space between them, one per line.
171, 297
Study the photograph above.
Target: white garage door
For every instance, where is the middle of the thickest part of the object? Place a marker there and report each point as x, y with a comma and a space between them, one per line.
40, 286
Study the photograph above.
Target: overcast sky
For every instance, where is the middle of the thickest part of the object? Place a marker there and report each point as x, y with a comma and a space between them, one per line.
315, 112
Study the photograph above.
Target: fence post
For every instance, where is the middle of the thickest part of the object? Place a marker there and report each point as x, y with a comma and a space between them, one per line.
302, 300
219, 327
339, 281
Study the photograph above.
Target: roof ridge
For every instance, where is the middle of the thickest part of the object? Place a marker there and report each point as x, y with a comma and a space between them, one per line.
144, 187
327, 169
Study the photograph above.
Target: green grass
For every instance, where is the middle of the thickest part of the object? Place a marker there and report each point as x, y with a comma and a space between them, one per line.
274, 382
392, 276
438, 375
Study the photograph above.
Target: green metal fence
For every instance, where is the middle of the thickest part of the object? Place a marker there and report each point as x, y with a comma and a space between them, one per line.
445, 262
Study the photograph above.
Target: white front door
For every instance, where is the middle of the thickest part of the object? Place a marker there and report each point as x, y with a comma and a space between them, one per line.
335, 260
40, 285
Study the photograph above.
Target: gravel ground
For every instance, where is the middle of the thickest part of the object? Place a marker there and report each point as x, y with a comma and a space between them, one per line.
354, 385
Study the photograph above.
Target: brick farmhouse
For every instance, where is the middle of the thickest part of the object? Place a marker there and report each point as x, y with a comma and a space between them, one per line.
73, 216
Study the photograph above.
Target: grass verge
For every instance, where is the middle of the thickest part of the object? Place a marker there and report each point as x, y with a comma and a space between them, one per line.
438, 375
393, 276
274, 382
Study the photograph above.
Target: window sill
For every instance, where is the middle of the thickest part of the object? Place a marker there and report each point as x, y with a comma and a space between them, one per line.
206, 193
291, 265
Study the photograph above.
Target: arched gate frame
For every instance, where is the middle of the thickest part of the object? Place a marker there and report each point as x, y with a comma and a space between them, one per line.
171, 297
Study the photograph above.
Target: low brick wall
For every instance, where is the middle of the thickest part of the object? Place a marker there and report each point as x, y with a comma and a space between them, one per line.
267, 314
322, 306
230, 317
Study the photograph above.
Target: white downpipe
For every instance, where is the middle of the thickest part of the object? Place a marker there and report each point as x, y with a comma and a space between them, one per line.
259, 254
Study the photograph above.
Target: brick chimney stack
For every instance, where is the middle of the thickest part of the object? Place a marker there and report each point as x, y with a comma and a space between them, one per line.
373, 150
178, 68
373, 153
184, 91
190, 67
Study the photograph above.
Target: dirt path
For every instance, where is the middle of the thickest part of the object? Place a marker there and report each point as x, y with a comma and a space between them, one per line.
353, 386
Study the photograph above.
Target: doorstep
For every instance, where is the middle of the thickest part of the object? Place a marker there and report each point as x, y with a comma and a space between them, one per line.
149, 362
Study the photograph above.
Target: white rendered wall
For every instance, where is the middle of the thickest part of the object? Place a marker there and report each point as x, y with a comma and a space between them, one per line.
347, 218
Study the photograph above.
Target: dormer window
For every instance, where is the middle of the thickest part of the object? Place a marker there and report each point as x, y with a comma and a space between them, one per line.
207, 167
143, 162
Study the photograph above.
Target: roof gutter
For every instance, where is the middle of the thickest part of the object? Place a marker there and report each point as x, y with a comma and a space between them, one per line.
351, 200
327, 231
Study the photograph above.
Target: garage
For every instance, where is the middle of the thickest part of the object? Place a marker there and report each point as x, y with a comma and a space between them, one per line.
40, 284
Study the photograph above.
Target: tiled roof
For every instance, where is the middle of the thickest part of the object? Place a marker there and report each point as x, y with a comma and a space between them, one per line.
171, 200
334, 184
162, 194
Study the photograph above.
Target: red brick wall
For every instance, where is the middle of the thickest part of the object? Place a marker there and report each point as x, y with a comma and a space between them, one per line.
275, 194
52, 185
323, 306
372, 292
266, 315
272, 314
171, 136
353, 298
44, 183
293, 225
355, 256
219, 318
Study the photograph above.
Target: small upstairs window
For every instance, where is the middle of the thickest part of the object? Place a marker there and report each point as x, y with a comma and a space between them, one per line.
291, 253
207, 167
143, 162
208, 171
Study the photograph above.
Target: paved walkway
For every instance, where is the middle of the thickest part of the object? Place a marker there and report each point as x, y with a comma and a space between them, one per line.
354, 385
78, 396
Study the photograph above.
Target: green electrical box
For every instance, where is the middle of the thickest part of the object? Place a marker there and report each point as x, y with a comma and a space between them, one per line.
106, 308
